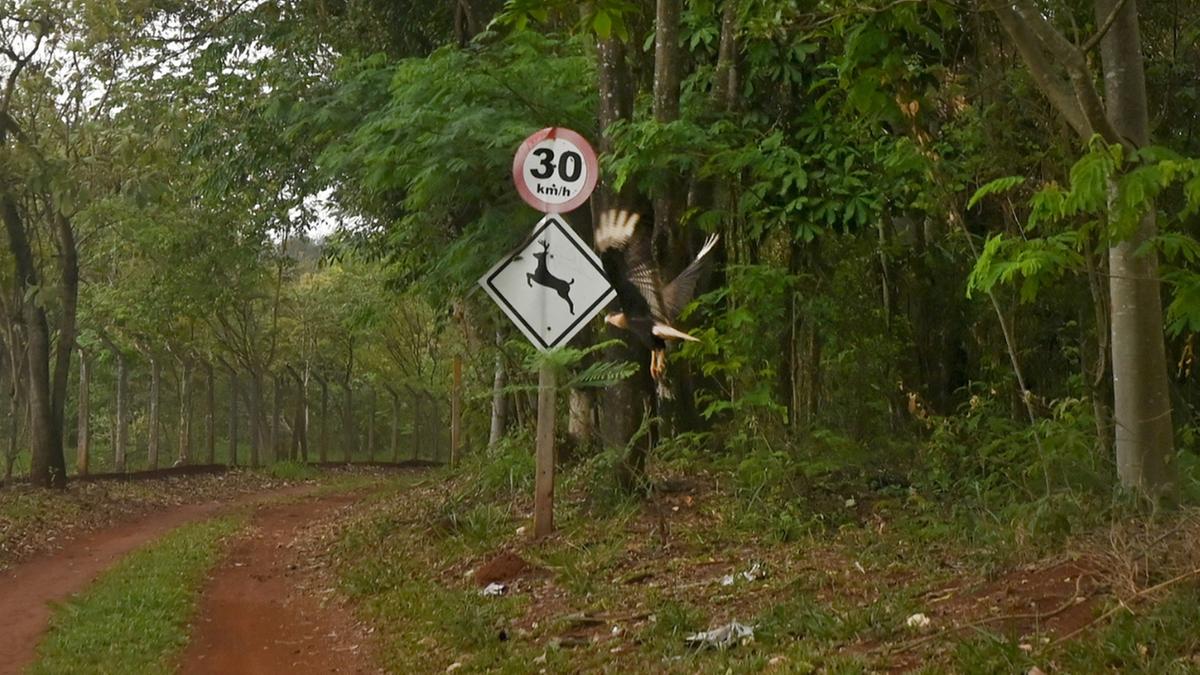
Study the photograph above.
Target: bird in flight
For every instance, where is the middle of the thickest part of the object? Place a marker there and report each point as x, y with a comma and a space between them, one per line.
648, 307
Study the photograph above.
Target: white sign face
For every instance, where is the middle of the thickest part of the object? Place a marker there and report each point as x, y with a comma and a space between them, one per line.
555, 170
550, 287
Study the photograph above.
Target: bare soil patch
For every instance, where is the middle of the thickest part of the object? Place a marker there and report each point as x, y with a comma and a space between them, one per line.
1047, 598
504, 566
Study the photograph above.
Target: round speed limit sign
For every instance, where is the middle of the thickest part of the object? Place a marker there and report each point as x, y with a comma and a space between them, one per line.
555, 170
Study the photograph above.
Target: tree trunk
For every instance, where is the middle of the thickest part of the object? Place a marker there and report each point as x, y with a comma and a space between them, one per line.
84, 437
299, 445
1097, 381
466, 21
668, 197
348, 431
1141, 407
323, 453
46, 396
395, 425
276, 415
48, 389
581, 418
1141, 404
14, 407
499, 400
418, 425
16, 365
306, 416
256, 430
370, 423
155, 376
725, 77
233, 417
121, 444
47, 466
441, 440
210, 415
621, 403
185, 413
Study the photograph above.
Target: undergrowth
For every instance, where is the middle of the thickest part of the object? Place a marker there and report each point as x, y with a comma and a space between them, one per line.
855, 546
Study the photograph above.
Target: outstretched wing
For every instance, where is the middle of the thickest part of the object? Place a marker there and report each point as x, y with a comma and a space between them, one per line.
679, 292
629, 263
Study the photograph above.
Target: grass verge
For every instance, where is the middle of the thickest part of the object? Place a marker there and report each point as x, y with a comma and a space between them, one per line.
134, 619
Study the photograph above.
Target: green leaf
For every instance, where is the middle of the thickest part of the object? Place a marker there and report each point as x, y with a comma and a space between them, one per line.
602, 24
995, 187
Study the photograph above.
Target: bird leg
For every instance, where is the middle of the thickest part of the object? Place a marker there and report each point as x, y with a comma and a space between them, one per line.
658, 363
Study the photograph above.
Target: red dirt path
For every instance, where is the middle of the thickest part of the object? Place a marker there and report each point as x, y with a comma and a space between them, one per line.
259, 614
28, 590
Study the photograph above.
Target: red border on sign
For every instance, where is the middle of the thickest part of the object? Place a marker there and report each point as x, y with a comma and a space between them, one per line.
589, 162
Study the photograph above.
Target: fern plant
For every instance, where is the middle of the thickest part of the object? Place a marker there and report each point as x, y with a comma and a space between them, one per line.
569, 365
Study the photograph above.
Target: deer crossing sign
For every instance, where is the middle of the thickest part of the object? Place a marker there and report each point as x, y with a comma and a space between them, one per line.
551, 286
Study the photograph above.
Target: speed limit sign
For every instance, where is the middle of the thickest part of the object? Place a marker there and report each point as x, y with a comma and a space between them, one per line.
555, 170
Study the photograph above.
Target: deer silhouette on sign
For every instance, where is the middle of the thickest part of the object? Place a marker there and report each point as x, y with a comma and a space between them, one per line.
542, 276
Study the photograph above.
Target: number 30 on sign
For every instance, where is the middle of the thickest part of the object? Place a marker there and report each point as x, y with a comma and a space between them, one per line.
555, 170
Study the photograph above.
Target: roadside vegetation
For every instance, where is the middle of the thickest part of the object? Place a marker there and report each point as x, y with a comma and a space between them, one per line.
846, 554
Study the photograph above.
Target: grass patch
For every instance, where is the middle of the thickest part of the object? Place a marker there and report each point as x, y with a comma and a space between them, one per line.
134, 619
429, 623
292, 471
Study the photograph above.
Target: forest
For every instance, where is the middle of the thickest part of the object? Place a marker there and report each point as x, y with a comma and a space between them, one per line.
941, 414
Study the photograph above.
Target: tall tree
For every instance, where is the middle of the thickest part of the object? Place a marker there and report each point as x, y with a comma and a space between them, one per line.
1141, 406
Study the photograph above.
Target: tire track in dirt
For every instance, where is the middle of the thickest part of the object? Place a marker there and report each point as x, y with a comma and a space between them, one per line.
29, 590
259, 615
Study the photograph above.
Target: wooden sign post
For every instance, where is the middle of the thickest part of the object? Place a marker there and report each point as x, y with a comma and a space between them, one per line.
543, 488
554, 284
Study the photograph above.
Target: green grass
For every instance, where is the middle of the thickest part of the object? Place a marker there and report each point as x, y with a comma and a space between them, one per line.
134, 619
401, 593
292, 470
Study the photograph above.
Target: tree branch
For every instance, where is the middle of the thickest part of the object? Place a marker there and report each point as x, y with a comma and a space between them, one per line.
1039, 42
1051, 83
1103, 29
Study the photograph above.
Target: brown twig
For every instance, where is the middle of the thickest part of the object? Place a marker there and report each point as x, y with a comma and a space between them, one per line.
583, 618
1075, 599
1122, 604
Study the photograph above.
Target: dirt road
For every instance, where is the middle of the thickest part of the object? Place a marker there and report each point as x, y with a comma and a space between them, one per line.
28, 590
259, 613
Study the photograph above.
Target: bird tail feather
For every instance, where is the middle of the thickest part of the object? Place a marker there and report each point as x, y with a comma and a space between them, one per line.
708, 245
664, 390
662, 330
